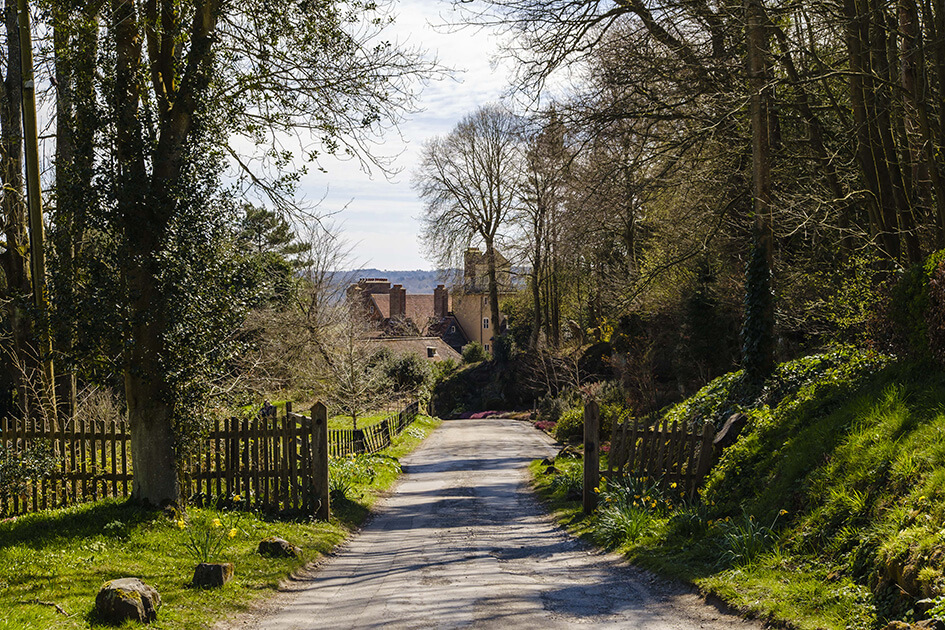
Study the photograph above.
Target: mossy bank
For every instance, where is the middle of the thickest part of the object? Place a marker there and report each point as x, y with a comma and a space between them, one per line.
826, 512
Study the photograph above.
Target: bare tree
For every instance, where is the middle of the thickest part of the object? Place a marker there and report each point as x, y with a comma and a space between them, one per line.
542, 191
289, 346
468, 181
356, 385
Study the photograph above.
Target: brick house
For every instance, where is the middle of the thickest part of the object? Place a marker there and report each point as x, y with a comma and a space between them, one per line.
455, 319
397, 314
471, 304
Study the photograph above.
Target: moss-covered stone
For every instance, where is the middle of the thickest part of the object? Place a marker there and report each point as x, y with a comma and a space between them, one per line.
127, 599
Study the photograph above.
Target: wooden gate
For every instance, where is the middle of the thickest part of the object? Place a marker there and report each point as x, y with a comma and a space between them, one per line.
668, 454
265, 463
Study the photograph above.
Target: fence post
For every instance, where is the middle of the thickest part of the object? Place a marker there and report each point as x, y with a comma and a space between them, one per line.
591, 455
706, 452
320, 487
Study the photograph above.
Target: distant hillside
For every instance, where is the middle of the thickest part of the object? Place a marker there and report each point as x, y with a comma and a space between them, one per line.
418, 281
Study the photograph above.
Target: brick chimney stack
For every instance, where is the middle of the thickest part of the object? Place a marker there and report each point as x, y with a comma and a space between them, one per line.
398, 302
441, 302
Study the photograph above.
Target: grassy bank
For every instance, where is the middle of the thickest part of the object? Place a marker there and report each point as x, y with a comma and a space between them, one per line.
826, 513
52, 563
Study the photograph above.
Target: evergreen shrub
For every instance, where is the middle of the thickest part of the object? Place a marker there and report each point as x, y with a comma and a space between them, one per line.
474, 352
571, 424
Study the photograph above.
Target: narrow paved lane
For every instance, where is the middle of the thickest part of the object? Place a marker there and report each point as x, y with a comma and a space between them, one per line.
462, 543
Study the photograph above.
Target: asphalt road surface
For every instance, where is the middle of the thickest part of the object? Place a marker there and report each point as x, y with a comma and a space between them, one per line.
462, 542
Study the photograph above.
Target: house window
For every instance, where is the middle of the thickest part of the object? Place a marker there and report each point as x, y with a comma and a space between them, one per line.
487, 348
431, 352
485, 323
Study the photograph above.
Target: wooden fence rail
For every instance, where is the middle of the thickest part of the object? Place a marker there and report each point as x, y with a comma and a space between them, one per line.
266, 462
669, 454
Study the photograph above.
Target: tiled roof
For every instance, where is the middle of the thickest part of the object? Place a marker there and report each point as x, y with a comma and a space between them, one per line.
419, 345
382, 302
419, 307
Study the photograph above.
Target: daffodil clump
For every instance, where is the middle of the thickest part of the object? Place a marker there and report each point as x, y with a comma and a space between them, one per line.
208, 536
631, 509
641, 493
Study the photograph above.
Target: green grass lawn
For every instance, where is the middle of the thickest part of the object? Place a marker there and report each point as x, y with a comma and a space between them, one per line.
367, 420
62, 557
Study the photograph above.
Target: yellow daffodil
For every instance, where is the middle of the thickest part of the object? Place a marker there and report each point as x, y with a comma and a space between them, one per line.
237, 498
782, 512
217, 523
231, 533
596, 490
181, 524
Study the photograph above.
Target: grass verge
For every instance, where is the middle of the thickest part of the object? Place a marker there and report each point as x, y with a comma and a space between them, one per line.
60, 558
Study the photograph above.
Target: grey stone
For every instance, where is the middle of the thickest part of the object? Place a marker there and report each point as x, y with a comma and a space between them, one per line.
276, 547
127, 598
568, 452
212, 574
729, 432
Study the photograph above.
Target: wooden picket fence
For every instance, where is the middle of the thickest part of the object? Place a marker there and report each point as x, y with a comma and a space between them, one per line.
94, 462
374, 438
667, 454
265, 461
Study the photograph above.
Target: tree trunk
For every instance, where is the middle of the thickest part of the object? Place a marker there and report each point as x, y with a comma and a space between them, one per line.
855, 38
538, 231
15, 260
493, 289
143, 222
536, 318
927, 168
75, 36
888, 124
153, 452
65, 202
758, 352
146, 203
555, 304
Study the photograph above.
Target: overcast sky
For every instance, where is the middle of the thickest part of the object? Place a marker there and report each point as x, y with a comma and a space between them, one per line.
380, 221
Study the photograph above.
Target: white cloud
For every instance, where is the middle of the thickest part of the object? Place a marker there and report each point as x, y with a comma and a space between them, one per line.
381, 217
